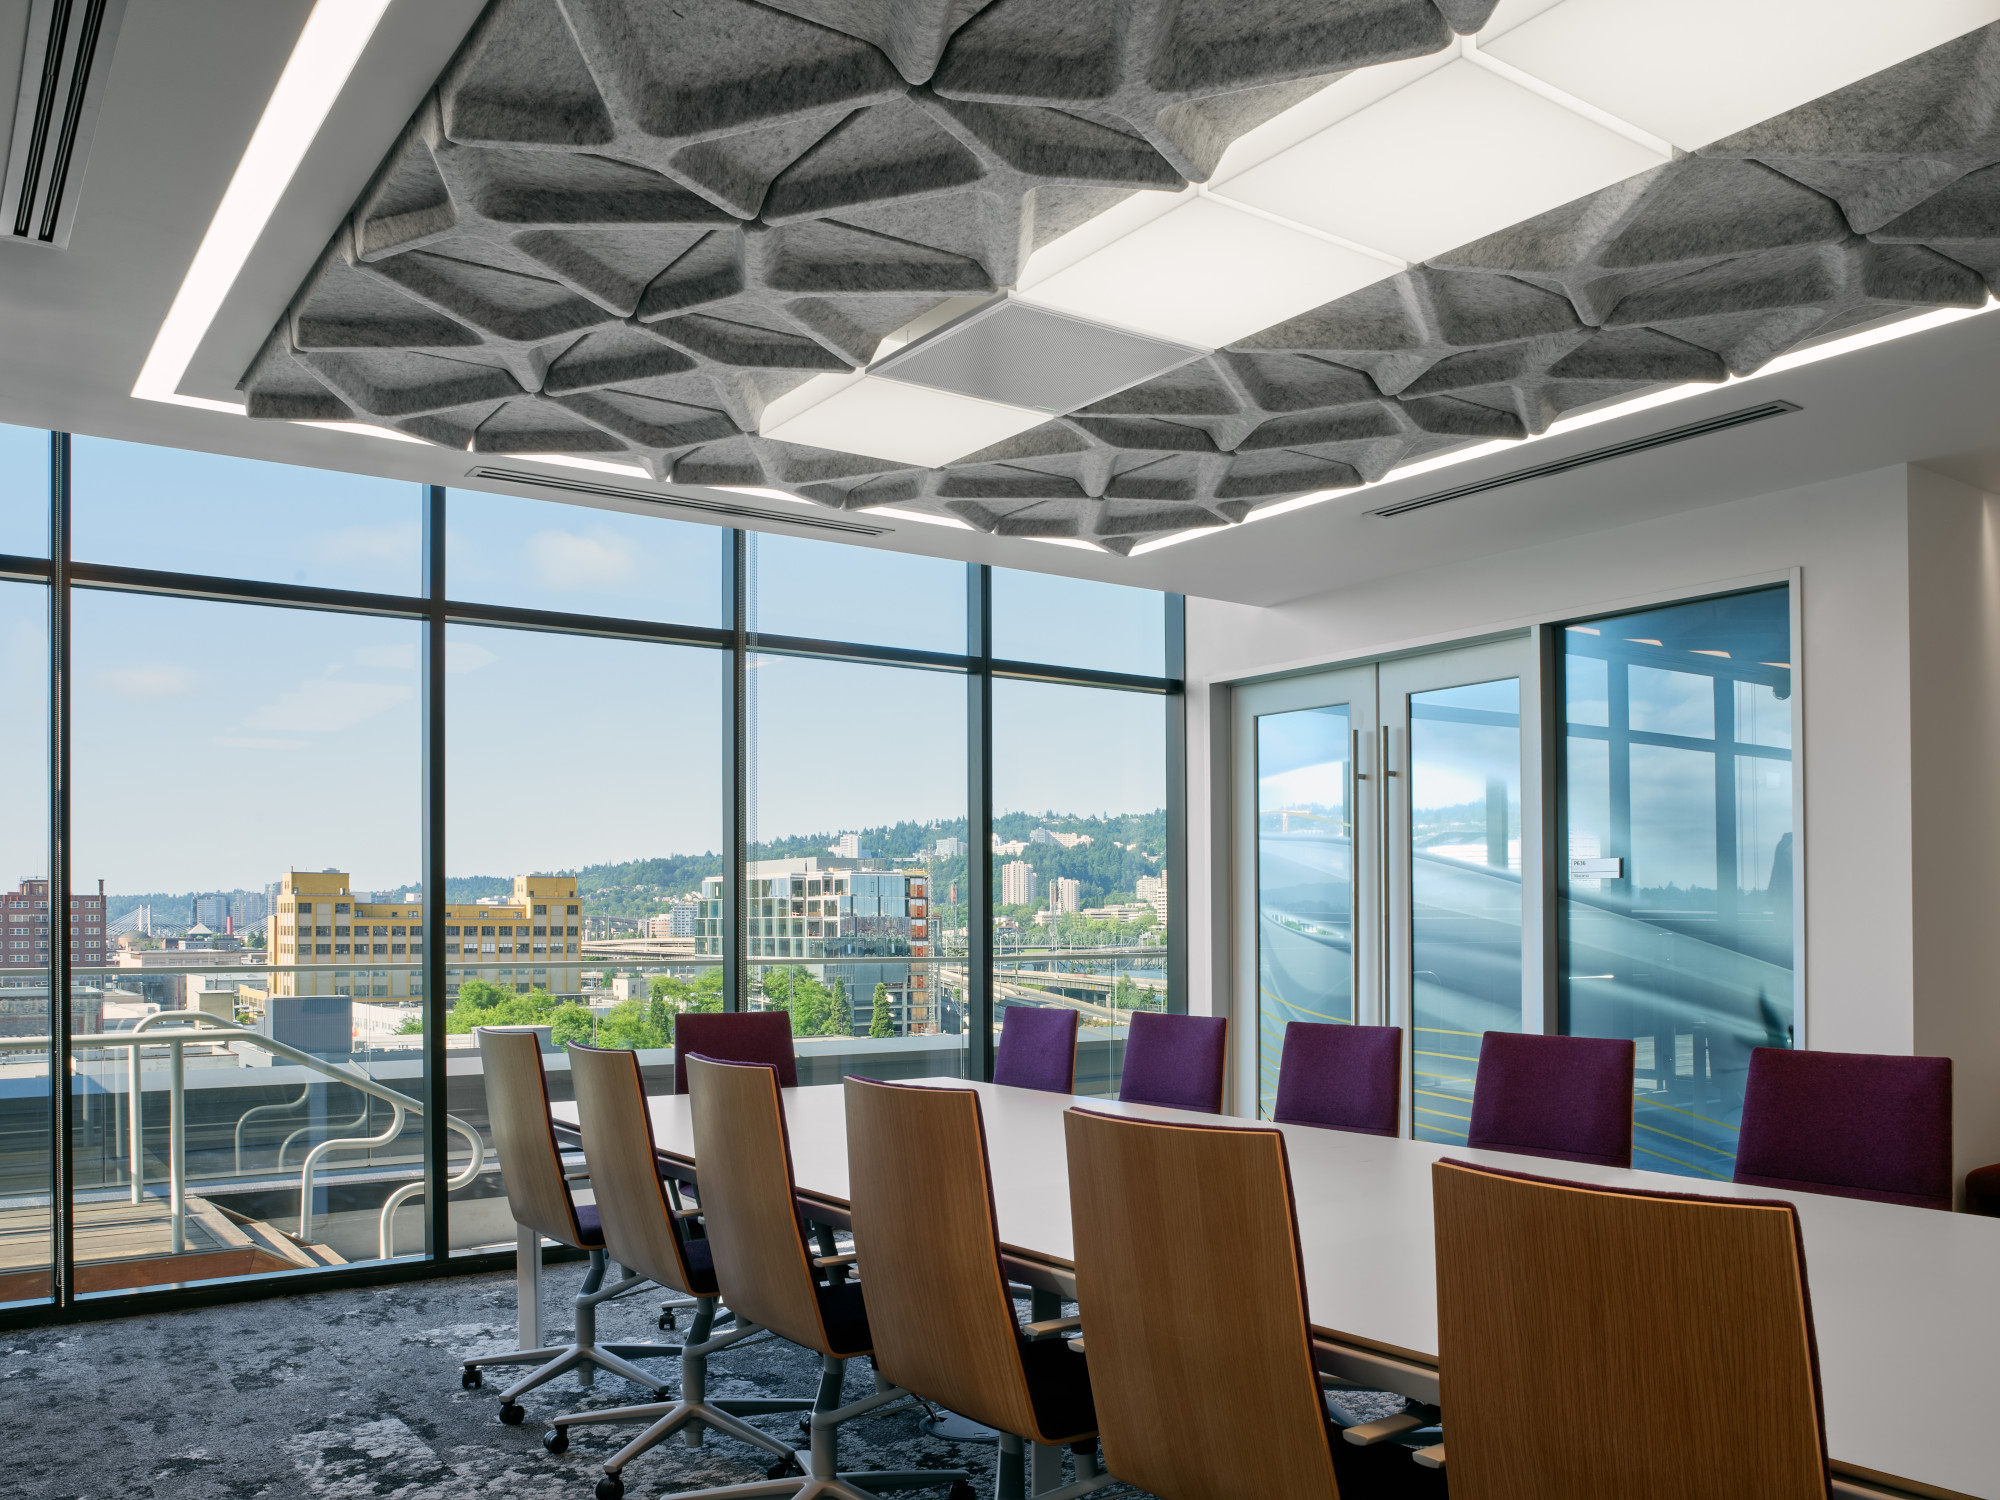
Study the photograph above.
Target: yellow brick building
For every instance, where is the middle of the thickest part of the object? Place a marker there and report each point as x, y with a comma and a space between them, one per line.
530, 941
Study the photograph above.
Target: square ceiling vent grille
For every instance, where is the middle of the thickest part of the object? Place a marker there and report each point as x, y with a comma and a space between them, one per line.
1021, 355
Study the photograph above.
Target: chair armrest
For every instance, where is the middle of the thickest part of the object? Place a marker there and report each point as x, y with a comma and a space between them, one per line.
821, 1262
1052, 1325
1076, 1346
685, 1214
1369, 1433
1431, 1457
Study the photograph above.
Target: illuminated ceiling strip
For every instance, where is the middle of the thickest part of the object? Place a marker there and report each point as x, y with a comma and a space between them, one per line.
335, 35
1832, 349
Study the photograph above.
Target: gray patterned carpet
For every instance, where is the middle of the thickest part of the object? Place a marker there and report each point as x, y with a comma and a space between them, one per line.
350, 1394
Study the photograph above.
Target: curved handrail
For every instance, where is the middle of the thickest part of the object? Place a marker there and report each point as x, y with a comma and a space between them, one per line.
200, 1022
305, 1090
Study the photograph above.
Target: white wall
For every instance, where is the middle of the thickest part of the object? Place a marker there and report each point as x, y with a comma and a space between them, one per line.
1870, 641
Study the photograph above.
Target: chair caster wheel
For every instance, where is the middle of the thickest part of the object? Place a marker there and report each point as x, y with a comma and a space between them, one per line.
783, 1469
556, 1440
610, 1487
471, 1378
666, 1319
513, 1414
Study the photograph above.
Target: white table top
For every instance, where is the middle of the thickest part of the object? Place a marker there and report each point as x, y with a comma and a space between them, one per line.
1906, 1301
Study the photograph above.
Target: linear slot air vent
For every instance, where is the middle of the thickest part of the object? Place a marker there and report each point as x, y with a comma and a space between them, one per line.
1595, 456
65, 56
674, 502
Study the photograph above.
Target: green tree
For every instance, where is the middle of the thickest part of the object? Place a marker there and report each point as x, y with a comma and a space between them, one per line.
628, 1024
880, 1022
571, 1023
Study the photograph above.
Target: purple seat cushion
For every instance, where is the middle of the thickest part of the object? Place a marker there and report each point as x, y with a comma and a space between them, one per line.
1565, 1097
1175, 1061
591, 1232
844, 1316
1852, 1124
746, 1036
1341, 1077
1982, 1191
1037, 1050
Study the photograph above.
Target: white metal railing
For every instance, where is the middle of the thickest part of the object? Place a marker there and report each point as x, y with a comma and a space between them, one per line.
195, 1026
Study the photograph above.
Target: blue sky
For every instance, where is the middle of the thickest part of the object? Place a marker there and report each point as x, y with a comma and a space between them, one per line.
216, 745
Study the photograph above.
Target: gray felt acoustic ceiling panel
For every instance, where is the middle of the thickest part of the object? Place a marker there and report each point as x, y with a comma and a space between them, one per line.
621, 228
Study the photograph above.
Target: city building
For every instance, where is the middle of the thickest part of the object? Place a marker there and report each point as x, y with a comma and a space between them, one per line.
1009, 846
1017, 883
682, 919
347, 946
24, 917
795, 908
1066, 840
1153, 889
1123, 911
1065, 895
848, 846
950, 848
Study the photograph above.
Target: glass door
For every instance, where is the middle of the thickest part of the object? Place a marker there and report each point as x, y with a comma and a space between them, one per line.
1386, 838
1313, 900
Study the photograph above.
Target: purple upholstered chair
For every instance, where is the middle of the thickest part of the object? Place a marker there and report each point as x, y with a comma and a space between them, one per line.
1852, 1124
1037, 1049
744, 1036
1567, 1097
1341, 1078
1175, 1061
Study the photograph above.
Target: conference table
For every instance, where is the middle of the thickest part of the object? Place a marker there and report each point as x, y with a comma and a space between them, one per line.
1906, 1301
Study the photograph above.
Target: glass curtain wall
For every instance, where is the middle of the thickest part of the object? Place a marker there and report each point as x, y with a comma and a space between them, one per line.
1676, 917
1079, 858
271, 1012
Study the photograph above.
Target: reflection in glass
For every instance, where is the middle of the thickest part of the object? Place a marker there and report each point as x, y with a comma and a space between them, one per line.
245, 791
25, 1035
577, 860
1677, 765
1305, 879
145, 507
857, 854
1465, 891
24, 492
582, 559
1079, 861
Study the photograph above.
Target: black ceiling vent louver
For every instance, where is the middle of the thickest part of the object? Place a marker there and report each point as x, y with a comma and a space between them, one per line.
1702, 428
718, 509
66, 52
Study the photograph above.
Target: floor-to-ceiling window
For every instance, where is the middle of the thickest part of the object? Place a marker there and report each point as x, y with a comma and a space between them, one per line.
1677, 910
355, 766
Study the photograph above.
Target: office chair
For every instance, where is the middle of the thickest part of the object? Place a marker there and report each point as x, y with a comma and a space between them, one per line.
939, 1310
1175, 1062
749, 1036
1037, 1049
1565, 1097
767, 1273
1184, 1409
1851, 1124
1339, 1077
644, 1229
1596, 1341
538, 1194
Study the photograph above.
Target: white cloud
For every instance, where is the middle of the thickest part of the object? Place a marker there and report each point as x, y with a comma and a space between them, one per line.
245, 742
143, 684
389, 658
383, 544
464, 656
327, 706
578, 561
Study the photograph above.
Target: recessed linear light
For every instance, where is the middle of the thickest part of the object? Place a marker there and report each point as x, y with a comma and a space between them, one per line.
1797, 359
330, 44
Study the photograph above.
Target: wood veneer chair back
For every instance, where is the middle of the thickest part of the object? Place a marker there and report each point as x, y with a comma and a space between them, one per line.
748, 1200
517, 1106
929, 1250
632, 1206
1186, 1410
1646, 1345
